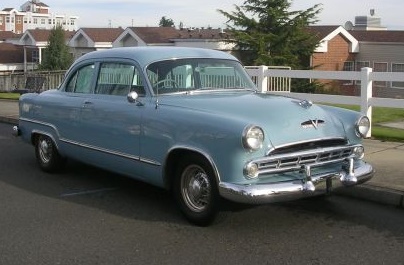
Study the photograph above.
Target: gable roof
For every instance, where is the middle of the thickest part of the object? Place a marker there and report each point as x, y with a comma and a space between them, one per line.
102, 34
42, 35
168, 35
11, 53
5, 35
327, 33
321, 31
40, 4
155, 34
387, 36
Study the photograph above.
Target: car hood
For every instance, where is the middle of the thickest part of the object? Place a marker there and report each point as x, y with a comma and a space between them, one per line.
283, 119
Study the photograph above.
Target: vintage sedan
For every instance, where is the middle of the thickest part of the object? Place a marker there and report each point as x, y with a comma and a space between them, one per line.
191, 121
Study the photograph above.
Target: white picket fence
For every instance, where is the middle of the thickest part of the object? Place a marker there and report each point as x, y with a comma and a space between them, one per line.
366, 76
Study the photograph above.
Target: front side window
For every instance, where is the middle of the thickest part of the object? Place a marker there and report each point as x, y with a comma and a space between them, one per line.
183, 75
80, 81
119, 79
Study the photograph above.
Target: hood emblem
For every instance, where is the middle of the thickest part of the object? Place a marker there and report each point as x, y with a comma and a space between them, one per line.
312, 123
305, 104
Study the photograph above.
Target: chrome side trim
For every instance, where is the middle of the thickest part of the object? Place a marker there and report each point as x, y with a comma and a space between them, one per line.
111, 152
91, 147
292, 190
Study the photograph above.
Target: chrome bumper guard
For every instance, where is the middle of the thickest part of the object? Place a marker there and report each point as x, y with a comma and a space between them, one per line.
311, 185
16, 131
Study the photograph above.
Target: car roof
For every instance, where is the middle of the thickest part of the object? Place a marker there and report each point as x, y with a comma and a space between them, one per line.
146, 55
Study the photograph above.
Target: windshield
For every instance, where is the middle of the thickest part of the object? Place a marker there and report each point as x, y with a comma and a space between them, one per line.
185, 75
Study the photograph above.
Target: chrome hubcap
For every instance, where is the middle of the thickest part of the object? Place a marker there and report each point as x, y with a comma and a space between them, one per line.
45, 148
195, 188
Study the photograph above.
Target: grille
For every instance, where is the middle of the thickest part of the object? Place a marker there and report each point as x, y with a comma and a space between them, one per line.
283, 162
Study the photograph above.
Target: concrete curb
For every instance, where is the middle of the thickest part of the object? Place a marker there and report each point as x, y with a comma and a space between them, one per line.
374, 194
9, 120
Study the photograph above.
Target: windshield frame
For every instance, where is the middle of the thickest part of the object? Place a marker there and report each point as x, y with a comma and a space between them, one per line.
190, 75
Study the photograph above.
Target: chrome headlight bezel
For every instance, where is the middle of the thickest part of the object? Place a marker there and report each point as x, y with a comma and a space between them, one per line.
362, 126
253, 138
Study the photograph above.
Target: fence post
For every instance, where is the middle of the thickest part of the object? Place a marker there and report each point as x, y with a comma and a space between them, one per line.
366, 95
262, 78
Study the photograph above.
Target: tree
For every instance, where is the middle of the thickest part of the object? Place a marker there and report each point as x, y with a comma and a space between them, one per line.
266, 32
166, 22
56, 56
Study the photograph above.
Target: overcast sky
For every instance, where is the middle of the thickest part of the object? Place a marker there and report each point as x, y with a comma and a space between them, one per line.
203, 13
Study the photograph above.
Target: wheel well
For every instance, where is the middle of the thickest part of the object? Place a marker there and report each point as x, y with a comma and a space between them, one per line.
173, 160
34, 138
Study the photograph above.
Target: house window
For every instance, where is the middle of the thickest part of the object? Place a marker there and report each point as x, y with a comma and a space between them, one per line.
7, 19
380, 67
43, 21
1, 20
50, 21
397, 68
35, 56
72, 22
348, 66
19, 20
35, 21
358, 67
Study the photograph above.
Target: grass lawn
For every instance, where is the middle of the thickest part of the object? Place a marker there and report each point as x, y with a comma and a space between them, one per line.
9, 96
380, 115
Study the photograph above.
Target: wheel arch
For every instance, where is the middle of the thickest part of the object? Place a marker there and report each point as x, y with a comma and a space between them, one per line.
174, 157
35, 134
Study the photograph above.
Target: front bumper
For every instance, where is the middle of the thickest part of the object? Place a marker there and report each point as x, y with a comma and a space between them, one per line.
312, 185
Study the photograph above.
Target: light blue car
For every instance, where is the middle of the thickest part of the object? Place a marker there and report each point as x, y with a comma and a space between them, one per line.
191, 121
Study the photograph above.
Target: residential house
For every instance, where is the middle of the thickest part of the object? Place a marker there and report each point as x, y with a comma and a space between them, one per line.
86, 40
169, 36
35, 41
12, 58
34, 15
350, 50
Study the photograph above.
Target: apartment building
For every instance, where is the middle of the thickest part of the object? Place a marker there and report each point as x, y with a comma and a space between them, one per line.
34, 15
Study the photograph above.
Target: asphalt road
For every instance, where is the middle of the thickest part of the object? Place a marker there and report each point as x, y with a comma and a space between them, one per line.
89, 216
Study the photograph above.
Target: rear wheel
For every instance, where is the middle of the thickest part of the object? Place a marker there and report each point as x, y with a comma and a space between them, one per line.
47, 155
196, 191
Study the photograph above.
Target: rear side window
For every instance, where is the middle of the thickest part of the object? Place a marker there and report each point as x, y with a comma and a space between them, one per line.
118, 79
80, 82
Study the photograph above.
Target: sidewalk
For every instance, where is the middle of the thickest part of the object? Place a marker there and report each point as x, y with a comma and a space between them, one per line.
387, 158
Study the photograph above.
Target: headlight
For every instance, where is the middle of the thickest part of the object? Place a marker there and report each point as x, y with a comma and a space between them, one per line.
362, 126
253, 138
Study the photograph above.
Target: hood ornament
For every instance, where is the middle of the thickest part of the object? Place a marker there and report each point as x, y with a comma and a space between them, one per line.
305, 104
312, 123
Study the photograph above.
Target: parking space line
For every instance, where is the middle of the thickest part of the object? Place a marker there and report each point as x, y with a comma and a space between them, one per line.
85, 192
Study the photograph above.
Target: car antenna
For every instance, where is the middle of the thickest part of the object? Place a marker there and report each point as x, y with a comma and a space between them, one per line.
157, 97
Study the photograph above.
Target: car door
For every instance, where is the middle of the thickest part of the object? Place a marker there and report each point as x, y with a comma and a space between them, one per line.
111, 125
76, 90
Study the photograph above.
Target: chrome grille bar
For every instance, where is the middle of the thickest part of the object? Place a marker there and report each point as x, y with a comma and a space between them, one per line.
296, 160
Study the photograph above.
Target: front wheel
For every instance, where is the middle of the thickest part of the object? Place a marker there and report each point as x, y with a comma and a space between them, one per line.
196, 191
47, 155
